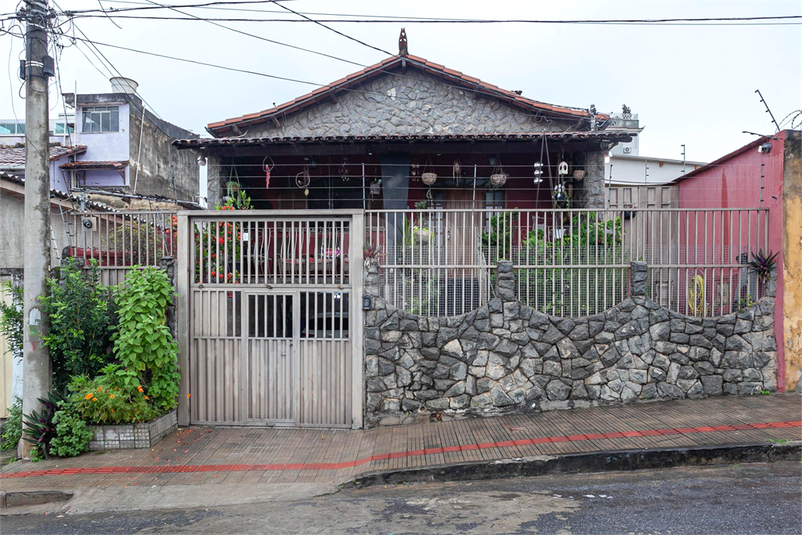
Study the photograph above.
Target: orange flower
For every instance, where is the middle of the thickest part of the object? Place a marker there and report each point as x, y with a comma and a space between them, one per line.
139, 388
146, 397
88, 396
94, 399
100, 389
112, 410
111, 396
188, 396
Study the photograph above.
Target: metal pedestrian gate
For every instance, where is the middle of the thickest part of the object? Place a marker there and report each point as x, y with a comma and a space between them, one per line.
274, 322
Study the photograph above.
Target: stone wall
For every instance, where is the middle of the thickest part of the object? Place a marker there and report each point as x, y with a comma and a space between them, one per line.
507, 356
415, 103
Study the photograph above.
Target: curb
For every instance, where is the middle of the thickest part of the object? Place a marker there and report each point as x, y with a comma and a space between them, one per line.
605, 461
32, 497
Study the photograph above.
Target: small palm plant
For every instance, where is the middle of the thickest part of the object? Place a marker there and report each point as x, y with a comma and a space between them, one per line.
762, 265
371, 253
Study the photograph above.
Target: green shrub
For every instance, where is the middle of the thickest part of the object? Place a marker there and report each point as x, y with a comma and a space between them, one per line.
143, 343
12, 432
114, 397
11, 318
72, 434
80, 317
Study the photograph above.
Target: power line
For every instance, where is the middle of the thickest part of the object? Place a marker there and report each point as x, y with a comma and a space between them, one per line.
196, 62
260, 37
420, 21
333, 30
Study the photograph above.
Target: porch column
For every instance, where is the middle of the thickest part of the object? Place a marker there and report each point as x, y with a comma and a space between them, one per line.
214, 186
594, 181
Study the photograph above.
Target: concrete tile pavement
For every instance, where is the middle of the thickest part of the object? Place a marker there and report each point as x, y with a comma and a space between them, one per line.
245, 458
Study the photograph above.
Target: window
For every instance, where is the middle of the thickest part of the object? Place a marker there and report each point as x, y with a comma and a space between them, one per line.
11, 129
101, 119
60, 129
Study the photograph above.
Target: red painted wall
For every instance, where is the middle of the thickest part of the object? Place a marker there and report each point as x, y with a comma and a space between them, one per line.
734, 182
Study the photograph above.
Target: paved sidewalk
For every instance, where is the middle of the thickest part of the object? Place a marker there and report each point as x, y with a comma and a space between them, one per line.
264, 456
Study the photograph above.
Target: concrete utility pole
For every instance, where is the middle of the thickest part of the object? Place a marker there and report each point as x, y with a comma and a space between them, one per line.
36, 358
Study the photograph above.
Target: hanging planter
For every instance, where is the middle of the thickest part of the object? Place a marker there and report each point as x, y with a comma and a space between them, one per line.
579, 174
428, 176
498, 178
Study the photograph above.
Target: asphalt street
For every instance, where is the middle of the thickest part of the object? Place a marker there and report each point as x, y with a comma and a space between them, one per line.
733, 499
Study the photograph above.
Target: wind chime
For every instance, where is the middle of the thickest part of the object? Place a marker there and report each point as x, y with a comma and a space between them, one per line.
429, 177
303, 179
560, 194
267, 167
344, 171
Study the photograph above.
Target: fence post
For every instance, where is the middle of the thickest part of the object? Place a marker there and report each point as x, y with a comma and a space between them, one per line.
505, 281
638, 279
182, 280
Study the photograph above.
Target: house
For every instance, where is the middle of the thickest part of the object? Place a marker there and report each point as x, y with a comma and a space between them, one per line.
766, 174
12, 131
128, 148
347, 160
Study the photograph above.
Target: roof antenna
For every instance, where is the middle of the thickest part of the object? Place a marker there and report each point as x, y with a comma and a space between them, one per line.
767, 108
402, 43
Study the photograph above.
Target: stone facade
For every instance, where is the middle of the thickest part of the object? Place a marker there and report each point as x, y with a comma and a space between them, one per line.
507, 356
133, 436
416, 103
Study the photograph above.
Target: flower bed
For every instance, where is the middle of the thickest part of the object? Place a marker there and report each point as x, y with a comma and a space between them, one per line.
133, 436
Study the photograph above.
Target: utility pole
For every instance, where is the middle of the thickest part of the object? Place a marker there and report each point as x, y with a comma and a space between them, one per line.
36, 358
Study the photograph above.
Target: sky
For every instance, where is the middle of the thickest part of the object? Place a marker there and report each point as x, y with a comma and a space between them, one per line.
689, 84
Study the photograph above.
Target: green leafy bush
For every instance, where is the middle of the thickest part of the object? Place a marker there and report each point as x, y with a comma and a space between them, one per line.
12, 432
11, 318
143, 343
72, 434
116, 396
80, 316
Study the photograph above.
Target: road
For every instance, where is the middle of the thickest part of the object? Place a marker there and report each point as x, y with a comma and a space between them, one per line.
740, 499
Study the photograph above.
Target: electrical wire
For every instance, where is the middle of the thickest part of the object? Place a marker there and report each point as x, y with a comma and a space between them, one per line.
332, 29
262, 38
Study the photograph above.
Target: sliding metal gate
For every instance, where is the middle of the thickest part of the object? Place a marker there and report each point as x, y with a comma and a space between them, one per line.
274, 323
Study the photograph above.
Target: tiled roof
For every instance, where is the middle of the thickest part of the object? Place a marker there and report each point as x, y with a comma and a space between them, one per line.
14, 157
59, 194
452, 76
116, 166
524, 136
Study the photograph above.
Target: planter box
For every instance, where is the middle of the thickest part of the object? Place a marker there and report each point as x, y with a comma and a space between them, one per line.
133, 436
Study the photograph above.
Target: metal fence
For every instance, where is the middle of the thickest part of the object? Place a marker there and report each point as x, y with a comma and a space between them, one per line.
441, 262
119, 241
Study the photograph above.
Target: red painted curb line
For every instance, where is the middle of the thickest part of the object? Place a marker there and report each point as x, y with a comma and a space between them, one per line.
393, 455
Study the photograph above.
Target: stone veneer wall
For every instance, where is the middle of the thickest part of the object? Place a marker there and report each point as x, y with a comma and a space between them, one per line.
507, 356
416, 103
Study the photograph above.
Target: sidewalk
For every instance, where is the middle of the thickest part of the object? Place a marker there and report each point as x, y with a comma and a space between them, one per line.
262, 457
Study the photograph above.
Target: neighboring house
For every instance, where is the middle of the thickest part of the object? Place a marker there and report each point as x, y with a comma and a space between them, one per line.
12, 223
766, 174
12, 161
12, 131
121, 153
128, 148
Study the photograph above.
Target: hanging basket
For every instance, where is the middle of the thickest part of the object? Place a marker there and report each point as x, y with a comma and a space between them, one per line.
498, 179
429, 178
579, 174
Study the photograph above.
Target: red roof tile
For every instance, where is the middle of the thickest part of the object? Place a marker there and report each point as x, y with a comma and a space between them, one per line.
221, 127
14, 157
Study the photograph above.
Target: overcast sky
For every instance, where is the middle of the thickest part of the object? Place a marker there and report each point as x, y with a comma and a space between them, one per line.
692, 85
